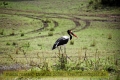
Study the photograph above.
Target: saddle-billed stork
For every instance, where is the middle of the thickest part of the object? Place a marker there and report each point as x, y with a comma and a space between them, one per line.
63, 40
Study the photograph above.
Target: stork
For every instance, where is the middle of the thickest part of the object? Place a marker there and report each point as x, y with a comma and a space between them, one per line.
63, 41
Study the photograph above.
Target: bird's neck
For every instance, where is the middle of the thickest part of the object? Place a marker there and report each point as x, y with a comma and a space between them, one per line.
70, 36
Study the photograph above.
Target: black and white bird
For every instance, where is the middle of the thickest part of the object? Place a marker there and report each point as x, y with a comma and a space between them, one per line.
63, 40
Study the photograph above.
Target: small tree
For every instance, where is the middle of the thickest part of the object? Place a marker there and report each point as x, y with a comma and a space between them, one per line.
5, 3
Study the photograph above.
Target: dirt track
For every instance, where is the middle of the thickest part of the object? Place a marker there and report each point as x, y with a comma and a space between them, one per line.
73, 18
45, 24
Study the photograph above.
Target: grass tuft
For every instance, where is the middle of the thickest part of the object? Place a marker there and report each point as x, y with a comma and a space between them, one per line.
12, 34
2, 32
17, 50
7, 43
93, 44
50, 33
72, 42
109, 36
39, 44
52, 29
22, 34
27, 45
14, 43
84, 48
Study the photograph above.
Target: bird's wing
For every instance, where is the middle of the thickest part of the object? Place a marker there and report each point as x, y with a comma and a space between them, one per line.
56, 43
60, 41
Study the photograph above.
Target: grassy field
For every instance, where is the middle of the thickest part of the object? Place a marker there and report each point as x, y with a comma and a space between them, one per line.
28, 30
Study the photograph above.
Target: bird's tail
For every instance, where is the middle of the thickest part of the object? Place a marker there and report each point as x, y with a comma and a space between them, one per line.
54, 46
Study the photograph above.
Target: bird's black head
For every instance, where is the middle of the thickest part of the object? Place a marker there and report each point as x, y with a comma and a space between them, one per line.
70, 32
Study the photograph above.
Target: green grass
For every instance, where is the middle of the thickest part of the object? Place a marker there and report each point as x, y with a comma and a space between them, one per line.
47, 6
99, 42
17, 24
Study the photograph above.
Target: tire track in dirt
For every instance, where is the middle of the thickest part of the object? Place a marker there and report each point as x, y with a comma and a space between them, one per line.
45, 24
73, 18
24, 15
87, 24
76, 21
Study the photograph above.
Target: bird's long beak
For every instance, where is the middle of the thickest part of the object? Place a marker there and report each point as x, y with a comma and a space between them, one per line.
73, 34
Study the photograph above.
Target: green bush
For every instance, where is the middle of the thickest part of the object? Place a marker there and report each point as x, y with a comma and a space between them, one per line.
102, 3
14, 43
93, 43
91, 2
22, 34
110, 68
109, 36
7, 43
12, 34
110, 2
50, 33
27, 45
2, 32
39, 44
72, 42
51, 29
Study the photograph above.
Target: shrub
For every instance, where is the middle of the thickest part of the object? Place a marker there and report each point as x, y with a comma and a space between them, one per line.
5, 3
39, 44
51, 29
61, 64
27, 45
85, 48
17, 51
72, 42
91, 2
110, 68
7, 43
22, 34
12, 34
46, 21
110, 2
93, 43
14, 43
50, 33
109, 36
101, 3
2, 32
45, 66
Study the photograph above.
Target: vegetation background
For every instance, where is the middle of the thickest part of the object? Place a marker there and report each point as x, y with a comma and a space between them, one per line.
29, 28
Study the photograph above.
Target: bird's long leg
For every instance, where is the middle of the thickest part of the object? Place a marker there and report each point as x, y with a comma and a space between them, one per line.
61, 49
65, 52
64, 49
58, 50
